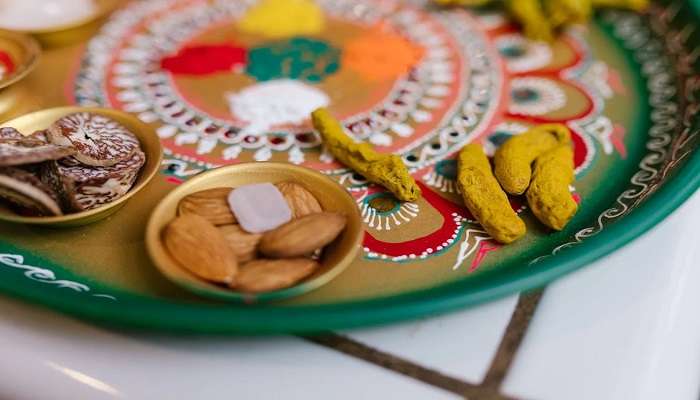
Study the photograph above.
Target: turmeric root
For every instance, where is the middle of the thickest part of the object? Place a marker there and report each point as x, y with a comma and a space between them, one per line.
530, 15
484, 197
514, 158
565, 12
548, 196
542, 19
387, 170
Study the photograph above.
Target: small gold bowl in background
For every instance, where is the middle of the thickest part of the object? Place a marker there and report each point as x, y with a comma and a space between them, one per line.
150, 144
62, 35
332, 196
24, 52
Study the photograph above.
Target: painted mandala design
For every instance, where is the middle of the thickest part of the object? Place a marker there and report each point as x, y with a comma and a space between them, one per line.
535, 96
228, 82
522, 55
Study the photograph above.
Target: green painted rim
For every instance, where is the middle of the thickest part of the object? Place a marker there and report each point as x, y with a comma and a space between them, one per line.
161, 314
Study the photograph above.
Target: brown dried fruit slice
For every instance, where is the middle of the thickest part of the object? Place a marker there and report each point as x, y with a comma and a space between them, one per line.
300, 200
63, 186
40, 136
90, 196
96, 186
85, 174
22, 153
267, 275
27, 192
17, 149
244, 244
302, 236
11, 134
211, 204
98, 140
201, 249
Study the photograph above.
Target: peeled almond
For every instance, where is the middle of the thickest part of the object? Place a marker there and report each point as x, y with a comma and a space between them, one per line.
244, 244
267, 275
201, 248
302, 236
211, 204
300, 200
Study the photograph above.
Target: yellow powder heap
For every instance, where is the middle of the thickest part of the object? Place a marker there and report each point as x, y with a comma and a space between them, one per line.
283, 18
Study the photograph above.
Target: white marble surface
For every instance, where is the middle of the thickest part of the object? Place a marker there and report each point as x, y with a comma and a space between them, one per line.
626, 327
460, 344
48, 356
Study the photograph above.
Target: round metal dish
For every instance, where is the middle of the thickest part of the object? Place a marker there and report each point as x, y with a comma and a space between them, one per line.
332, 197
149, 143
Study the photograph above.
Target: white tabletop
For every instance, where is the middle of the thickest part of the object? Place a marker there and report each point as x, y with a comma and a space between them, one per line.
625, 327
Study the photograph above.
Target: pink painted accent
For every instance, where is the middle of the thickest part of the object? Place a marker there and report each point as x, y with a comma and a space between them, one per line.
485, 247
174, 180
615, 82
617, 139
576, 197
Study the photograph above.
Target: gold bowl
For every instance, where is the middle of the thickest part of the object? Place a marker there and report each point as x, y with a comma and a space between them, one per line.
24, 52
150, 144
61, 35
332, 196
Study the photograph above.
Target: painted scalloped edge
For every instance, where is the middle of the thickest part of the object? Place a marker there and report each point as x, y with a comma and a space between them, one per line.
664, 151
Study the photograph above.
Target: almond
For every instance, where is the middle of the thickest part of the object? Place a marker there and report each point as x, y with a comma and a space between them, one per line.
200, 248
266, 275
211, 204
302, 236
300, 200
244, 244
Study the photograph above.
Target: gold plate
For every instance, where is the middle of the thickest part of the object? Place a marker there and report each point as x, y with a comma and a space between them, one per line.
332, 197
150, 143
24, 52
61, 35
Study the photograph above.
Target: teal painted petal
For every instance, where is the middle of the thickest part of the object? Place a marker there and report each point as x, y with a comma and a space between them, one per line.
298, 58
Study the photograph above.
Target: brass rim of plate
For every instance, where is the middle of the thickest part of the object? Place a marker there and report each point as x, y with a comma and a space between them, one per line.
331, 195
150, 144
25, 52
104, 7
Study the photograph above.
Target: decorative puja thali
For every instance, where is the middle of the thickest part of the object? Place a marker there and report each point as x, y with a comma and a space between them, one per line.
222, 84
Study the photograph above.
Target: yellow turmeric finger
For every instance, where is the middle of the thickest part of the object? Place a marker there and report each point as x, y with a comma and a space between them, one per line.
484, 197
530, 15
548, 196
387, 170
633, 5
514, 158
564, 12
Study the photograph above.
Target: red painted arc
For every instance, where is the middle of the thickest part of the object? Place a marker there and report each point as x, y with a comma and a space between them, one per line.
431, 241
